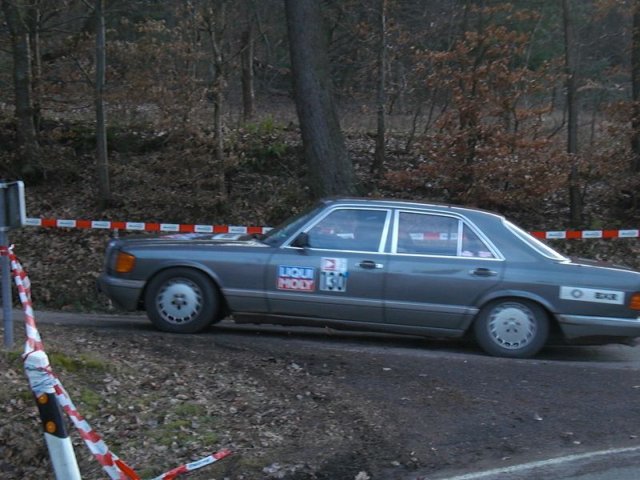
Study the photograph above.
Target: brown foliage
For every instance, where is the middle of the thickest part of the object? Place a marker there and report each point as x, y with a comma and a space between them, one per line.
488, 147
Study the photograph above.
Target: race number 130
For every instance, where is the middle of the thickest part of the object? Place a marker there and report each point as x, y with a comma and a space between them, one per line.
333, 281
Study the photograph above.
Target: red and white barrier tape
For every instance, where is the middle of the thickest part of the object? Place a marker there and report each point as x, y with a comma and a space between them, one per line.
191, 228
586, 234
42, 378
143, 226
40, 374
190, 467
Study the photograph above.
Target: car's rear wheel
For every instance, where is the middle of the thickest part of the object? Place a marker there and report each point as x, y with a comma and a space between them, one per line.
181, 300
512, 327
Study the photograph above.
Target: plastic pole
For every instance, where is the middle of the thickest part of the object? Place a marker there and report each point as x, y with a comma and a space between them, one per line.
63, 458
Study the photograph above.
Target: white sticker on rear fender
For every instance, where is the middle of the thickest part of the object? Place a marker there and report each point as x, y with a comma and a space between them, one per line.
580, 294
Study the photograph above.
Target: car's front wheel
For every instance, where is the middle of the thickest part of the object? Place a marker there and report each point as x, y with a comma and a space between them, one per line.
512, 327
181, 300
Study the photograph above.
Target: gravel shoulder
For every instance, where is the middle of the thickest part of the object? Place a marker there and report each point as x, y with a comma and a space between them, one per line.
321, 405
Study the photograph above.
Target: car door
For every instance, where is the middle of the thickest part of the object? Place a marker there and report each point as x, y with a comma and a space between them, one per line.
439, 266
339, 273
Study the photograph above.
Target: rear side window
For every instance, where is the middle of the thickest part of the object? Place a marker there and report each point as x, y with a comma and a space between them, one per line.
473, 246
427, 234
534, 243
430, 234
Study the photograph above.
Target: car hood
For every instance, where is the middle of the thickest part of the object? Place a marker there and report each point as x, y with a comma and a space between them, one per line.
221, 239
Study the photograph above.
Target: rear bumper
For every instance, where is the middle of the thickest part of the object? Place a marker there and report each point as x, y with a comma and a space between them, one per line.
576, 326
124, 293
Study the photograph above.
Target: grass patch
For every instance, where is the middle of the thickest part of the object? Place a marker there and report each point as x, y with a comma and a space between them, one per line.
91, 400
13, 357
188, 422
80, 363
190, 409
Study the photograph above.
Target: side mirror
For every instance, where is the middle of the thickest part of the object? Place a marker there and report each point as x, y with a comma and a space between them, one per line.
301, 241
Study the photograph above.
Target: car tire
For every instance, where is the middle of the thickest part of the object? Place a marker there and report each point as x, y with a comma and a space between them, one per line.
181, 300
512, 327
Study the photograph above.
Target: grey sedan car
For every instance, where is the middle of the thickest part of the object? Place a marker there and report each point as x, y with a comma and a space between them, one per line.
376, 265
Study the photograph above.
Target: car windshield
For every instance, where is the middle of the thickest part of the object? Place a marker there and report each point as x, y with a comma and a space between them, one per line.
534, 243
278, 235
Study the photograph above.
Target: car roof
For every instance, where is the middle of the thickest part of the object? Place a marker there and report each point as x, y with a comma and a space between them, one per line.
394, 203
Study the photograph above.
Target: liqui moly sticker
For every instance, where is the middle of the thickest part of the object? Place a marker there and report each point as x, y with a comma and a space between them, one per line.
580, 294
333, 274
299, 279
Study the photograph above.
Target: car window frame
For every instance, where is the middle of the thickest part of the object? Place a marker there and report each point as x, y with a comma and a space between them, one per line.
302, 218
322, 215
462, 222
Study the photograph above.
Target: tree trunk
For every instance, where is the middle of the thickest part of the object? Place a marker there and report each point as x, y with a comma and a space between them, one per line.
217, 127
635, 88
575, 196
215, 21
378, 162
330, 168
248, 92
15, 15
102, 160
36, 62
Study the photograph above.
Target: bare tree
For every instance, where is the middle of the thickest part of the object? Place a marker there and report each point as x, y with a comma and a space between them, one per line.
214, 21
246, 60
16, 15
635, 88
34, 17
378, 162
102, 160
575, 194
330, 168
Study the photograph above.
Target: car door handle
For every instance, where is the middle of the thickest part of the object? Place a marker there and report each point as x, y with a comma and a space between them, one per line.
370, 265
483, 272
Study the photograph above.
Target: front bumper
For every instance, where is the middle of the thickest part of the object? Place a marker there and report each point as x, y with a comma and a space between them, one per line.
576, 326
124, 293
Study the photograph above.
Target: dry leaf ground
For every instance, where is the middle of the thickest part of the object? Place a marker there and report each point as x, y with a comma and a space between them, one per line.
314, 406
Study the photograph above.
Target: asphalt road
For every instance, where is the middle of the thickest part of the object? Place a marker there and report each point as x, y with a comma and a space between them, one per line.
604, 356
600, 464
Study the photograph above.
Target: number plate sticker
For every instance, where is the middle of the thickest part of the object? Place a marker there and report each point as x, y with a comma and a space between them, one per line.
333, 274
580, 294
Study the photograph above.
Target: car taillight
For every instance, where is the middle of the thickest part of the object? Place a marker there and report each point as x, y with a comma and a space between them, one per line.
634, 304
124, 262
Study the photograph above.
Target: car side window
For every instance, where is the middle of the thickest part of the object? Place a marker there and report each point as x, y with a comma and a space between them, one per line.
349, 229
427, 234
430, 234
473, 246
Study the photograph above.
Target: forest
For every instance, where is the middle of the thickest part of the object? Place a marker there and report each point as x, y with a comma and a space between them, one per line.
243, 112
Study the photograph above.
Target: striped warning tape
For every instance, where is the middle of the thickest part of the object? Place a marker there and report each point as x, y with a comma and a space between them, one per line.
586, 234
190, 467
195, 228
143, 226
43, 380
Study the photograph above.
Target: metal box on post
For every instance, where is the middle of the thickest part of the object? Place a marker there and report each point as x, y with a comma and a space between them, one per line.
15, 211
